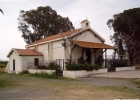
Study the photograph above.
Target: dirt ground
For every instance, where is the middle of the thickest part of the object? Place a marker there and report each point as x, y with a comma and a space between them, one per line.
31, 88
2, 69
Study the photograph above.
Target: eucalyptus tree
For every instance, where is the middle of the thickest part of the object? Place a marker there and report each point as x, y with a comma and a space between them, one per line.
42, 22
126, 26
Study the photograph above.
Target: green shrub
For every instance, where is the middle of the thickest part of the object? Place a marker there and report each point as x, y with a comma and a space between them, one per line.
51, 65
2, 65
120, 64
25, 72
85, 66
79, 66
71, 66
99, 61
96, 67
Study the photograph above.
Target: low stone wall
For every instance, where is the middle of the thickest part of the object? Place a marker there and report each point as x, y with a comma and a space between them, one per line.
125, 68
82, 73
33, 71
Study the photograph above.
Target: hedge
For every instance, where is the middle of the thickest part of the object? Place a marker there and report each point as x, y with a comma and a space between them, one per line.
86, 66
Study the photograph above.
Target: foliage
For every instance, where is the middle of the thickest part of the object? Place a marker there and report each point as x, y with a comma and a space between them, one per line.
85, 66
42, 22
51, 65
70, 66
118, 63
126, 26
2, 72
96, 67
46, 75
3, 62
24, 72
99, 61
2, 65
81, 60
4, 83
120, 48
137, 82
68, 62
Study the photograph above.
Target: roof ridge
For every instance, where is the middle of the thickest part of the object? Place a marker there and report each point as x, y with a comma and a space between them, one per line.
54, 36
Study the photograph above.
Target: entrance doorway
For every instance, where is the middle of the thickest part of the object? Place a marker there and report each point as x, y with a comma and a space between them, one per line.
36, 61
14, 64
88, 55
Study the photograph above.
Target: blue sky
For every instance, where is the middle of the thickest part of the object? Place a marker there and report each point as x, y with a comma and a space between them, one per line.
97, 12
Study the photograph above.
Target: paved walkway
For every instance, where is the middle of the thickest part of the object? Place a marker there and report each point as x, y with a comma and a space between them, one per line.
121, 74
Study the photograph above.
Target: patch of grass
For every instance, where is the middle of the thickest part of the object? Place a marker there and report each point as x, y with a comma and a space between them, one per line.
4, 83
137, 82
45, 75
123, 89
2, 72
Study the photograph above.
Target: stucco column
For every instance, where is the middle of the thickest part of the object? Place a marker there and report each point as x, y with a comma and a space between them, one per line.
50, 51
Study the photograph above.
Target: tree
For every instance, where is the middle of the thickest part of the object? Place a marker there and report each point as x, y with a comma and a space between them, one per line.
126, 26
120, 49
42, 22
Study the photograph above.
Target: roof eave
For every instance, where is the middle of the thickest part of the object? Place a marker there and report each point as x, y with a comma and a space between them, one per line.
43, 42
8, 55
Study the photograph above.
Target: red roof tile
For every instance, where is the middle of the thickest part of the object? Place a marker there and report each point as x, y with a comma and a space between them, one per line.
28, 52
84, 44
55, 36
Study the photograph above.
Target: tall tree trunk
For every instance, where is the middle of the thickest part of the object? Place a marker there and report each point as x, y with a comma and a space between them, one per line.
131, 58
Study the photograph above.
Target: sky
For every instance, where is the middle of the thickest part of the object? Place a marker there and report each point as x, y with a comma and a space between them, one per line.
98, 12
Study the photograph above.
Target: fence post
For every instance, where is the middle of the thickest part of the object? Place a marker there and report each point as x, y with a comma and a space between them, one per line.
63, 63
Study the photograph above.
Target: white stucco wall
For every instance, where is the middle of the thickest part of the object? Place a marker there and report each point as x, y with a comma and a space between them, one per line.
21, 62
58, 50
28, 61
18, 64
43, 48
88, 36
77, 53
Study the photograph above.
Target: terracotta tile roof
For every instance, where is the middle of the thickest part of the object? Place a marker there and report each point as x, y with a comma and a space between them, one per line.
28, 52
84, 44
55, 36
84, 21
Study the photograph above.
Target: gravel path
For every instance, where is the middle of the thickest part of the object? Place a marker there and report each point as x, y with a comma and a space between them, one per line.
98, 81
30, 88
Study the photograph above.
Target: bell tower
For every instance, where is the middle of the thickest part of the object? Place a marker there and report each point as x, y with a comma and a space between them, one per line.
85, 24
